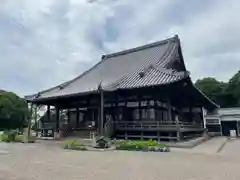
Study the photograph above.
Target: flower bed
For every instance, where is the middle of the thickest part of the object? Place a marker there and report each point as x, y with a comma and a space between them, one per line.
103, 143
74, 145
150, 145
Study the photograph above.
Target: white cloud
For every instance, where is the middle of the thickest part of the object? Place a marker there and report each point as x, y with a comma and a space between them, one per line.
43, 43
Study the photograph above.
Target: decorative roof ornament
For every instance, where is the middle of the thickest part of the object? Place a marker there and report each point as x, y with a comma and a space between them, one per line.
151, 66
61, 87
37, 95
141, 74
187, 73
100, 88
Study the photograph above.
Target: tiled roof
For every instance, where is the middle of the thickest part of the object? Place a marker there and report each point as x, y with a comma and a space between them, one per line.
124, 70
147, 77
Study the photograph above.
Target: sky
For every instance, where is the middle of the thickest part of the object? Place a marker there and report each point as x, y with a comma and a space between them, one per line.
46, 42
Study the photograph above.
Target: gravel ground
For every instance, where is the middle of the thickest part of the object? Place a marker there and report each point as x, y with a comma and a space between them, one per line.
45, 162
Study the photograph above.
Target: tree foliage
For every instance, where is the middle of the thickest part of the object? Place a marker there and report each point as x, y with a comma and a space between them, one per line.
234, 87
13, 111
226, 94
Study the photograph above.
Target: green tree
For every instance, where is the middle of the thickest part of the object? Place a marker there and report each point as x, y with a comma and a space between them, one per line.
211, 87
13, 111
216, 91
234, 87
224, 94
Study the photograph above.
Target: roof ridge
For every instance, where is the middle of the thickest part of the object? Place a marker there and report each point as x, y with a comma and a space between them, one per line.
139, 48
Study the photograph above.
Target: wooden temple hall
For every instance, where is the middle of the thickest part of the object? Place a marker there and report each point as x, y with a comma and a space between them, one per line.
139, 93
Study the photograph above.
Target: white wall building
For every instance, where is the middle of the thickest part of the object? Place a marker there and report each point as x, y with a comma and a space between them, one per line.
222, 120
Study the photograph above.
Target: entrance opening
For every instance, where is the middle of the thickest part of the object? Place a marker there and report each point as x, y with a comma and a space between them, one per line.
227, 126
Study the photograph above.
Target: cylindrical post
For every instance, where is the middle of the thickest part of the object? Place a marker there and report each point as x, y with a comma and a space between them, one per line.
169, 109
139, 109
101, 112
77, 117
191, 114
48, 113
57, 119
178, 128
29, 122
35, 119
68, 116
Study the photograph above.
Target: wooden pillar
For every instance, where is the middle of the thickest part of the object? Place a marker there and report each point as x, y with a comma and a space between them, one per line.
116, 112
202, 117
169, 110
191, 114
178, 128
35, 119
29, 121
155, 110
116, 108
237, 128
101, 112
48, 113
77, 117
139, 108
57, 119
68, 116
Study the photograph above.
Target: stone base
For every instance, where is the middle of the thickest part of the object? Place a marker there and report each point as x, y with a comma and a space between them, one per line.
29, 140
56, 136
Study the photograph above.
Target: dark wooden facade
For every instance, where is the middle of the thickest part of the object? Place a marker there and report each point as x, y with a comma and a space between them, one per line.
155, 112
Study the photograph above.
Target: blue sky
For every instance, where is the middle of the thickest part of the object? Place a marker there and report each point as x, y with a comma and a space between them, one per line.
46, 42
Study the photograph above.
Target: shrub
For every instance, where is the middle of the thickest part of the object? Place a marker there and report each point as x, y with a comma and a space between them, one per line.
9, 136
4, 137
102, 142
152, 142
19, 138
74, 144
150, 145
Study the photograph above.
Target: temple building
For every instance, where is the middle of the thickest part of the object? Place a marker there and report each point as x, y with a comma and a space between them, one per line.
139, 93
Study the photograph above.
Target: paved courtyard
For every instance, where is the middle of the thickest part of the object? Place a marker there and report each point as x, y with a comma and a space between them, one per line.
43, 161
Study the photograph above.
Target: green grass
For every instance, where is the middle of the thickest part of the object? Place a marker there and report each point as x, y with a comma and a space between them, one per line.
11, 136
73, 143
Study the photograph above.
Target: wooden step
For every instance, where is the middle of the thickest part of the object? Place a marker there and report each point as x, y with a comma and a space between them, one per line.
81, 134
